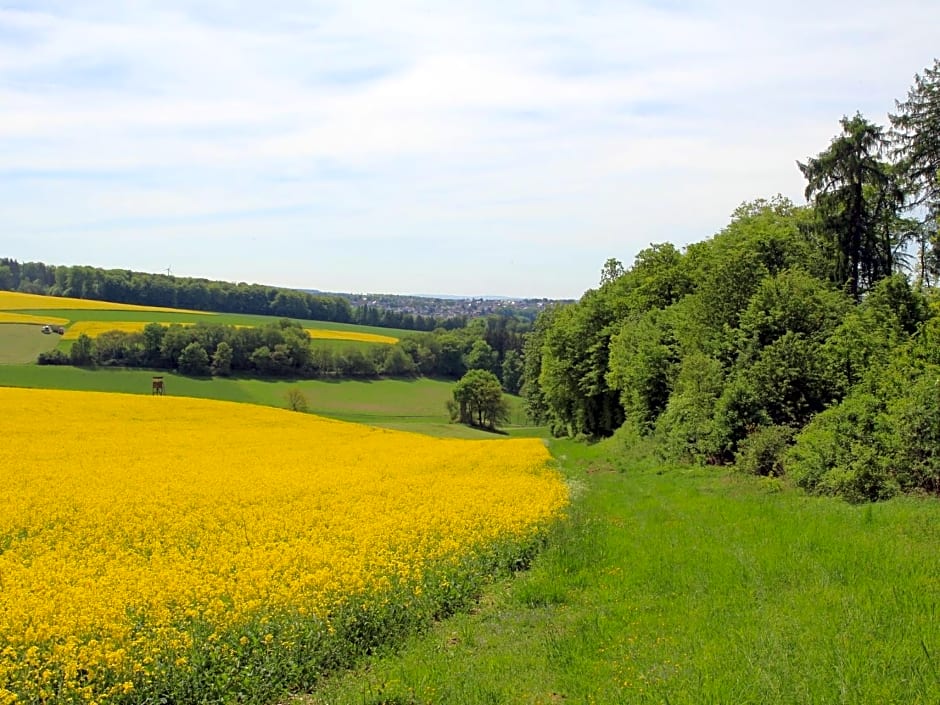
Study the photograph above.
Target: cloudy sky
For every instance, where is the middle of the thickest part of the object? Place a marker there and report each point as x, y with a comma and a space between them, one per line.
444, 147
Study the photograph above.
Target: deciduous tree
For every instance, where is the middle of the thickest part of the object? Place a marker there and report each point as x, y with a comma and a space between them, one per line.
194, 360
222, 360
478, 400
83, 351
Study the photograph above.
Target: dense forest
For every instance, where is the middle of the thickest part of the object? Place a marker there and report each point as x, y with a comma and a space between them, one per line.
127, 287
800, 340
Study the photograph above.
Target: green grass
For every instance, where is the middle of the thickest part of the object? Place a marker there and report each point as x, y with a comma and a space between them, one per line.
690, 586
22, 343
416, 405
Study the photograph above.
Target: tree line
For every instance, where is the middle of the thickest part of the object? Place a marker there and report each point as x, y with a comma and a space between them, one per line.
798, 340
281, 349
284, 349
493, 344
142, 288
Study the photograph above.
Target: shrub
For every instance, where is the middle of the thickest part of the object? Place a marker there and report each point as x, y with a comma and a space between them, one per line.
685, 431
296, 400
761, 453
841, 452
866, 478
914, 442
53, 357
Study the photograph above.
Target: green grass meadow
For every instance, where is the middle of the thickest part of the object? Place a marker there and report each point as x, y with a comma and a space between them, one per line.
669, 585
416, 405
21, 342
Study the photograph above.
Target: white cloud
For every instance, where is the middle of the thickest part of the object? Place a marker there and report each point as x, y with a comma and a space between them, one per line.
586, 130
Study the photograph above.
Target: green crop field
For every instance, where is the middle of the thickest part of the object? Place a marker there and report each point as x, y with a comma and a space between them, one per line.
689, 586
22, 343
410, 405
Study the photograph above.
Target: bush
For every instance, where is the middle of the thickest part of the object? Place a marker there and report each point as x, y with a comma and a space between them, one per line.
53, 357
761, 453
914, 443
841, 452
296, 400
685, 431
865, 479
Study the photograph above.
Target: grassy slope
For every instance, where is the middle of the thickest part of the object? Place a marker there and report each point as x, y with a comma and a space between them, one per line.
682, 586
22, 343
410, 405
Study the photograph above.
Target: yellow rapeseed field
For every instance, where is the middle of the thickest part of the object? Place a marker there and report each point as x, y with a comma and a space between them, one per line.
142, 538
15, 301
323, 334
8, 317
96, 328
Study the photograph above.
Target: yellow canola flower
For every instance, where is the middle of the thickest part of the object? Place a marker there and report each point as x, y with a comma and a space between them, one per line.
7, 317
95, 328
324, 334
15, 300
125, 520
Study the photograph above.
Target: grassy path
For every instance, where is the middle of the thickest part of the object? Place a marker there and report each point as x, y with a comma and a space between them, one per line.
687, 586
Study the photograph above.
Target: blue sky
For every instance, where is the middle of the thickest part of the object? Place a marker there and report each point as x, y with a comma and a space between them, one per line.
449, 147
